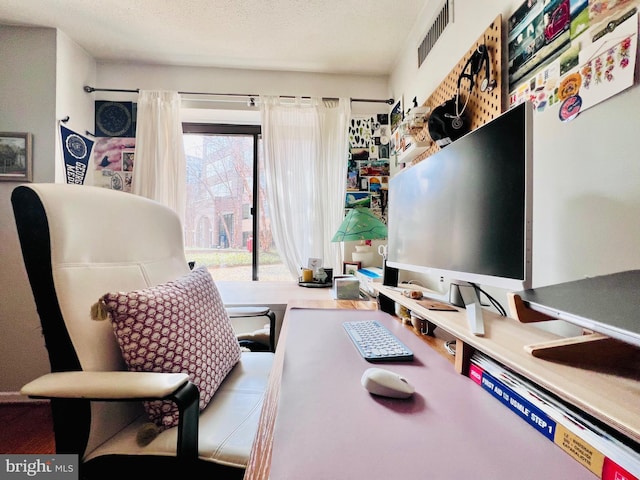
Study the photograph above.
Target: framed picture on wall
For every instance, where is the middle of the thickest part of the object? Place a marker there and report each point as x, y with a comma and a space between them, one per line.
350, 268
16, 163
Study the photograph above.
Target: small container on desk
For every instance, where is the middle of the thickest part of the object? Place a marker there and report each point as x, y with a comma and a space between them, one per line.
314, 283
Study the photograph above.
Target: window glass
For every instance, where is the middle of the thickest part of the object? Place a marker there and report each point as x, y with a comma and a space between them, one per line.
220, 230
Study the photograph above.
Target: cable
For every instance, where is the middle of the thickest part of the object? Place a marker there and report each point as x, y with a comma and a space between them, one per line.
493, 301
460, 112
450, 346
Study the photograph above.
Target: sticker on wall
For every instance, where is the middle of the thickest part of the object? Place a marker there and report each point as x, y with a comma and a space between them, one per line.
359, 153
570, 108
76, 150
128, 156
373, 152
357, 199
352, 180
396, 115
383, 150
360, 132
375, 184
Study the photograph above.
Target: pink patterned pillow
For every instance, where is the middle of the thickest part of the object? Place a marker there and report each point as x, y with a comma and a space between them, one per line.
179, 326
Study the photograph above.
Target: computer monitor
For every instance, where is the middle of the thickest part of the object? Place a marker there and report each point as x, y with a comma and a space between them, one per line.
464, 213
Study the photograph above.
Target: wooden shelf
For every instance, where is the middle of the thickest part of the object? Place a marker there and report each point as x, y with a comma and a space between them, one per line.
610, 394
415, 149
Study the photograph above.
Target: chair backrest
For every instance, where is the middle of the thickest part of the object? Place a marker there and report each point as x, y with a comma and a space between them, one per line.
79, 242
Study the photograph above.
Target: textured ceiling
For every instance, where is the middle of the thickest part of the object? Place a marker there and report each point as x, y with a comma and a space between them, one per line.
329, 36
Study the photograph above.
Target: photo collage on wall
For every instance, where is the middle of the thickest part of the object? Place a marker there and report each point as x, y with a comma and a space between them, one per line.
114, 149
368, 164
571, 53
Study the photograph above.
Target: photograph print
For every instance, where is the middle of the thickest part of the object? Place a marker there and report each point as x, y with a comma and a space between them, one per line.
15, 157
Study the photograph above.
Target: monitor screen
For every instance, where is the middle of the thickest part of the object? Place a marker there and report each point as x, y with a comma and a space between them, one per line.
465, 212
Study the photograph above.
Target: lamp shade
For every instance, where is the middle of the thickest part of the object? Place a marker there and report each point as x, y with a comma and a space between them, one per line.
360, 224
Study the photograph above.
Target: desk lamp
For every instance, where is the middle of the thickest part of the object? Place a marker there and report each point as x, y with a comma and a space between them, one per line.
361, 224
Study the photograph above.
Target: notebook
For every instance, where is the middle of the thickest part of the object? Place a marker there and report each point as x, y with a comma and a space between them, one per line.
607, 304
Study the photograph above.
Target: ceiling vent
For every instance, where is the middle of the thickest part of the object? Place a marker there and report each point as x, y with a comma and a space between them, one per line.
438, 26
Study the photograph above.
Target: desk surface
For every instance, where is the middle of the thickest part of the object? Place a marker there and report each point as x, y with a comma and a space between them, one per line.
325, 425
267, 293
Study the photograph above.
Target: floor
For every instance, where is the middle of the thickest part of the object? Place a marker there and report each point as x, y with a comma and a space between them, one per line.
26, 428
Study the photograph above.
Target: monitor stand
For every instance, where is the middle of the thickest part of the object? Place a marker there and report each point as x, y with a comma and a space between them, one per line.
465, 296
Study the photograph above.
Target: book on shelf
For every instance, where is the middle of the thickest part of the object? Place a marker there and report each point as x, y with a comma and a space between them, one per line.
596, 449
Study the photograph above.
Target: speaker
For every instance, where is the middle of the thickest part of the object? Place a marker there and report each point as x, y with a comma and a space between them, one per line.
390, 279
390, 276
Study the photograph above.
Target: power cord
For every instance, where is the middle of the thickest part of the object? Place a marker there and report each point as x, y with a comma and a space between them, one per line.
450, 346
493, 301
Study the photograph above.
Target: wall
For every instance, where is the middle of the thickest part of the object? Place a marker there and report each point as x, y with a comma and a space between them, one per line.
27, 103
41, 69
217, 80
74, 69
586, 171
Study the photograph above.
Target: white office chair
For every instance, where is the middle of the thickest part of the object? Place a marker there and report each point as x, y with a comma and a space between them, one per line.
78, 243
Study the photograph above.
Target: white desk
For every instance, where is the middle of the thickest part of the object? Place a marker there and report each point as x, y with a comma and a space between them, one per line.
240, 293
275, 295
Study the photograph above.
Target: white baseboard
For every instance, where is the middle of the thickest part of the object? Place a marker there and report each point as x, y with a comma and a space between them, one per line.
15, 397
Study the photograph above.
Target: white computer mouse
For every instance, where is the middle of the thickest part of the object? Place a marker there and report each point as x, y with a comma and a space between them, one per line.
379, 381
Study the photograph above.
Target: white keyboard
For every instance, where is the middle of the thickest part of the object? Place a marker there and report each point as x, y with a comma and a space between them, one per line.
376, 343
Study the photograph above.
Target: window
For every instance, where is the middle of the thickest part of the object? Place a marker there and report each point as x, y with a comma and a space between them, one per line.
226, 209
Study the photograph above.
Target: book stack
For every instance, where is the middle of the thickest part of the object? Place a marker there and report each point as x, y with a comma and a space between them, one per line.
603, 454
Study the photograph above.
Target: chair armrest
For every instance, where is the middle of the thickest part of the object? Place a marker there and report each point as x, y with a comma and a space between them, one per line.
246, 311
238, 312
119, 385
122, 385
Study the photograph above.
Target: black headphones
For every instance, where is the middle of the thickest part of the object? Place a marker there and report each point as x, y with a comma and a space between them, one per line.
445, 125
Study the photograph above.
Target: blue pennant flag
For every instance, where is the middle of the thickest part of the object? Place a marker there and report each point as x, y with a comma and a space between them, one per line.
77, 151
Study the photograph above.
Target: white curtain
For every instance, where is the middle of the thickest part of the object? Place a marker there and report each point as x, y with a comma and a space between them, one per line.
305, 153
160, 165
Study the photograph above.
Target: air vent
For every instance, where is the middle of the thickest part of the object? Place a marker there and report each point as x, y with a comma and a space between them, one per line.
438, 26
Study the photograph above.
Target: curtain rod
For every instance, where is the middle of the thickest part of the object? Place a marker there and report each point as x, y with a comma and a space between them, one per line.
250, 96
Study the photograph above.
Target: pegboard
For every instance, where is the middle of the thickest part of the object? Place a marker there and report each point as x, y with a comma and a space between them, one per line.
483, 106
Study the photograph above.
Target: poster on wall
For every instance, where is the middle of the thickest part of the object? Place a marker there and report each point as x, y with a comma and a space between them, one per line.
113, 160
76, 151
597, 62
539, 31
115, 119
396, 118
